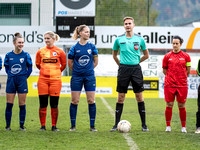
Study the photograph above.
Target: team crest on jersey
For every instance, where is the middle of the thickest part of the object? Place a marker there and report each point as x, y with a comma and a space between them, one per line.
54, 53
136, 47
89, 51
21, 60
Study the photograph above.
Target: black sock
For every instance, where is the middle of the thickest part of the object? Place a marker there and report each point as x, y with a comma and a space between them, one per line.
141, 109
118, 112
198, 119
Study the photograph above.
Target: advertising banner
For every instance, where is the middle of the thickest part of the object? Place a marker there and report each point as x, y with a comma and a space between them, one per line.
105, 86
155, 37
75, 8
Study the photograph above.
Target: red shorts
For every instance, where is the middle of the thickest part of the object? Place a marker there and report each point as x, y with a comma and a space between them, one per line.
179, 92
48, 86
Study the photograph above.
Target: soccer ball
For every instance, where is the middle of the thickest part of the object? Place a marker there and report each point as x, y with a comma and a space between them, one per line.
124, 126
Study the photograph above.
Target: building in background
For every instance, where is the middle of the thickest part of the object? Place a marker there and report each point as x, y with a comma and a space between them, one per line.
26, 12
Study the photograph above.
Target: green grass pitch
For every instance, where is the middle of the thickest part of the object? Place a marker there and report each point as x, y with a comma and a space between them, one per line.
82, 138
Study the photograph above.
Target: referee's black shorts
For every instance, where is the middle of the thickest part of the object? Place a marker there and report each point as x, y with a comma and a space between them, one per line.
127, 74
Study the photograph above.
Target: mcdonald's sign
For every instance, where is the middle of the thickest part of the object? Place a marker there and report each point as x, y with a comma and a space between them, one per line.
191, 39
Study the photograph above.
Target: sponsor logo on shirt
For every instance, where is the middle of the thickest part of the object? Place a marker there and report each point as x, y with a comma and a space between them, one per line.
78, 51
11, 58
89, 51
181, 59
50, 60
21, 60
84, 60
15, 69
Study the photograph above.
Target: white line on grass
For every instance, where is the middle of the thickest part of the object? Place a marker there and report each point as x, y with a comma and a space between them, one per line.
129, 140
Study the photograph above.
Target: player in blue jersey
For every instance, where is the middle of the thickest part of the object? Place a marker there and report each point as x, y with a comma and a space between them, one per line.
18, 66
82, 59
129, 70
0, 63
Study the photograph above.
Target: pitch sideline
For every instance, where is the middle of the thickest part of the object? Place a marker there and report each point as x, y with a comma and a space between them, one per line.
129, 140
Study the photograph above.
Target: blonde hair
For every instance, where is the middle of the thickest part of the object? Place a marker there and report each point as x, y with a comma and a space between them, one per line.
53, 35
127, 17
16, 36
77, 30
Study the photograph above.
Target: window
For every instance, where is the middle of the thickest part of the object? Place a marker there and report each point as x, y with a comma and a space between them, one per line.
15, 14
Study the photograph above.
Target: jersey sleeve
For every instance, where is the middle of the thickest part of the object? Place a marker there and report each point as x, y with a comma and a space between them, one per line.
143, 44
38, 59
29, 60
62, 60
94, 50
0, 63
116, 45
188, 60
198, 68
165, 62
29, 65
71, 53
6, 63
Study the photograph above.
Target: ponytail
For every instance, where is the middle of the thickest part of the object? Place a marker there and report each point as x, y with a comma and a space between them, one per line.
77, 30
16, 36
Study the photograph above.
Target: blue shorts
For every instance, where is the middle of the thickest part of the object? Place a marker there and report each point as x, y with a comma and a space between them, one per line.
17, 84
89, 83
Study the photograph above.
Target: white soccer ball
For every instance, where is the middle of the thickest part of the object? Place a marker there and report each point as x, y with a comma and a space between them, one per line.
124, 126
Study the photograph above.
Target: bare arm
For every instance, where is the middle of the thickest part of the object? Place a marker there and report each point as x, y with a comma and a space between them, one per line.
188, 69
115, 57
95, 61
70, 63
145, 56
164, 71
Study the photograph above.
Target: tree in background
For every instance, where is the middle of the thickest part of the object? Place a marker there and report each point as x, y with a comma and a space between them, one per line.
111, 12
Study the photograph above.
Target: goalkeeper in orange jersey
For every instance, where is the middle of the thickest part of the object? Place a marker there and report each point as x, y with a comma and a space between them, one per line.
51, 61
198, 104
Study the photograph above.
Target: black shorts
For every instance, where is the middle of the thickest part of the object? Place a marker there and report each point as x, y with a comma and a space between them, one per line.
127, 74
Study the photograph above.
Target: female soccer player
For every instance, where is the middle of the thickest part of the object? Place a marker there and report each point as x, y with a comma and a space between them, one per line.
176, 67
51, 61
18, 66
0, 63
82, 59
198, 103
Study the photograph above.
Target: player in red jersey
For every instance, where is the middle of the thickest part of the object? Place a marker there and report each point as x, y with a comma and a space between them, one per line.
176, 67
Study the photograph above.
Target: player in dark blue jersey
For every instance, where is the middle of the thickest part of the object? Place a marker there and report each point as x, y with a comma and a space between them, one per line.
82, 59
18, 66
0, 63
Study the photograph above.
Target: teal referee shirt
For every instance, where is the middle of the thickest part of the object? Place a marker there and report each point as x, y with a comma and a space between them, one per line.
129, 48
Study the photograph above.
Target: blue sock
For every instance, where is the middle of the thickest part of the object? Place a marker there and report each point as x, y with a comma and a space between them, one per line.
8, 113
22, 114
73, 112
92, 113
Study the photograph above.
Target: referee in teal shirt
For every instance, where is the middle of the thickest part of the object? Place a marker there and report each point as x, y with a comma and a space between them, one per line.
129, 70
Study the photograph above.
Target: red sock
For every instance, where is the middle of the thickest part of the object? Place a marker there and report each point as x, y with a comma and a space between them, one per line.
54, 116
168, 115
182, 114
43, 114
